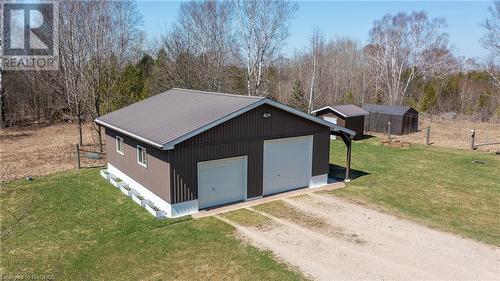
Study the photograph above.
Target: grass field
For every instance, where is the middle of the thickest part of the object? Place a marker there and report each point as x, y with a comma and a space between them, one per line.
439, 187
74, 225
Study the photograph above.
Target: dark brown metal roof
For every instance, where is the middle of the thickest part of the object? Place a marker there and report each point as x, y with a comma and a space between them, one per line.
388, 109
178, 114
346, 110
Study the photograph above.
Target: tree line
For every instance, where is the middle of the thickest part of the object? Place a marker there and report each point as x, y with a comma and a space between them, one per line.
236, 47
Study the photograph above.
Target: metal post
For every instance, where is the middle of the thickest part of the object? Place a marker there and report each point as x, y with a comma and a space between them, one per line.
348, 164
78, 166
472, 137
428, 135
389, 130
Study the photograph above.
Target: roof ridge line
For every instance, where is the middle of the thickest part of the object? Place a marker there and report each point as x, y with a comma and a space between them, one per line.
219, 94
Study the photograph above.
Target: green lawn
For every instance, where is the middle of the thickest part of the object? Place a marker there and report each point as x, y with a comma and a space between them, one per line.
76, 226
436, 186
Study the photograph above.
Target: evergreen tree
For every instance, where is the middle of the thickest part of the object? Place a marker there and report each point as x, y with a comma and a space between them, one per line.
429, 100
349, 97
297, 98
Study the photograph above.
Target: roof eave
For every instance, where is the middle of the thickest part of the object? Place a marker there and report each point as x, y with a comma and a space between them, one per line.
331, 109
152, 143
171, 144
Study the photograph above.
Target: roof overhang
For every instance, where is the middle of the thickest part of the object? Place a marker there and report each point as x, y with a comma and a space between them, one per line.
127, 133
170, 145
338, 112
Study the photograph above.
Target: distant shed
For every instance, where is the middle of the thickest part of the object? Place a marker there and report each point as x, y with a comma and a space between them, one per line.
348, 116
404, 119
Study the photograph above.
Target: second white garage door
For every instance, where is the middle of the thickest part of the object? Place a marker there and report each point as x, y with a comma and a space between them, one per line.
287, 164
222, 181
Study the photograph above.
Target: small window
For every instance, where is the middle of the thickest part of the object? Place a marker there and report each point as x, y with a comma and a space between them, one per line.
119, 145
142, 157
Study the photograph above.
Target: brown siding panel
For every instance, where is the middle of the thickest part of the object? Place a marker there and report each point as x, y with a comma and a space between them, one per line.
155, 177
243, 135
172, 174
321, 153
400, 124
356, 124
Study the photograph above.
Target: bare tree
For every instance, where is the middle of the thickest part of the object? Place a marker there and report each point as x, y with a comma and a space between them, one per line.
491, 40
404, 47
261, 30
317, 49
195, 52
73, 54
333, 72
207, 24
97, 39
111, 40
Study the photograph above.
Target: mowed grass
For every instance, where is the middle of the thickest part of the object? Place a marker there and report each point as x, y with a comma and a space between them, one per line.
75, 226
283, 210
436, 186
248, 218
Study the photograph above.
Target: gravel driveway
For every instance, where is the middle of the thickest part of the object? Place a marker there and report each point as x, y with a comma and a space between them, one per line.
356, 243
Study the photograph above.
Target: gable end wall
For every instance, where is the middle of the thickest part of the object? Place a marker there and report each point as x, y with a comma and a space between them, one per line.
243, 135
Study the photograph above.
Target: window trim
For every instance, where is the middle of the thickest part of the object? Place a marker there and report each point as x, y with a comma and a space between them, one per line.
145, 165
117, 140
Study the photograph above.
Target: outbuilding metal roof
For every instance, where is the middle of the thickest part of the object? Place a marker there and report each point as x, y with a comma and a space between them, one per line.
387, 109
346, 110
171, 117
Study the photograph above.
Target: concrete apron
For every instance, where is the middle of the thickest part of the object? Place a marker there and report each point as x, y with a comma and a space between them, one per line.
261, 200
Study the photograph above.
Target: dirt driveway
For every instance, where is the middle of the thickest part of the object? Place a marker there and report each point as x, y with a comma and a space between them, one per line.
330, 239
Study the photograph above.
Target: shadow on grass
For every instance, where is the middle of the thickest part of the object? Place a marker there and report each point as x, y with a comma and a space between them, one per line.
363, 137
338, 172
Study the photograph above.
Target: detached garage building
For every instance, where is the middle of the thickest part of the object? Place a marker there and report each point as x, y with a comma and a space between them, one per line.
403, 119
348, 116
187, 150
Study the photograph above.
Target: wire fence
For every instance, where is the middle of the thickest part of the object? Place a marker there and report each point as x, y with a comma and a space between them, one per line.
85, 158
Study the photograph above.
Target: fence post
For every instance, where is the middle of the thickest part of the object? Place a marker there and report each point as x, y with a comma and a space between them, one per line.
389, 130
472, 137
428, 135
78, 166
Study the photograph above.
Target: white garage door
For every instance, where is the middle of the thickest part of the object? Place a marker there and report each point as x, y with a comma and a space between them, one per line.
287, 164
222, 181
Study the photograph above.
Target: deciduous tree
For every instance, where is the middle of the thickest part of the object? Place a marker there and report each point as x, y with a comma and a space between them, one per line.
262, 26
404, 47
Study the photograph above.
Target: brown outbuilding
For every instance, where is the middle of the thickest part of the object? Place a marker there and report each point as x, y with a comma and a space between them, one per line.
399, 120
187, 150
348, 116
